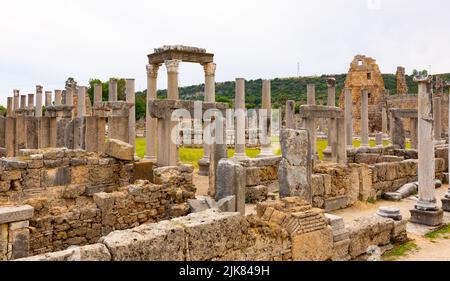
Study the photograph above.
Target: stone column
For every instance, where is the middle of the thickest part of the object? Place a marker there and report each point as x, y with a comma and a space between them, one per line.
265, 120
151, 123
16, 100
384, 120
311, 94
349, 117
112, 95
38, 101
413, 130
426, 210
210, 96
31, 103
172, 79
290, 115
240, 116
10, 107
69, 96
130, 91
58, 97
331, 83
365, 119
81, 107
437, 117
48, 98
98, 92
379, 139
446, 199
23, 102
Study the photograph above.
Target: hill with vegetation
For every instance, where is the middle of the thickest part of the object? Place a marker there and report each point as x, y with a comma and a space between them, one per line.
283, 89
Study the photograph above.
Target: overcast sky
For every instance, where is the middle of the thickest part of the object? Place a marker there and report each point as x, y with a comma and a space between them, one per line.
46, 41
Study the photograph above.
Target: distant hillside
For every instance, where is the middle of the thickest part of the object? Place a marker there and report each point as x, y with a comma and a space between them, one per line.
285, 89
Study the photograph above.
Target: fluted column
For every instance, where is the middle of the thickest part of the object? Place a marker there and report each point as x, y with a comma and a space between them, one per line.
172, 79
365, 118
426, 210
130, 91
240, 117
151, 123
23, 102
265, 120
38, 112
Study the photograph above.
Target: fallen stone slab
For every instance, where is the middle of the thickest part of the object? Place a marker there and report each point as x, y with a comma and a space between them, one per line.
96, 252
119, 150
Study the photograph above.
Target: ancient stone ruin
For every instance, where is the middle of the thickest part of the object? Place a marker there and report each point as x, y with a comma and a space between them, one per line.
73, 188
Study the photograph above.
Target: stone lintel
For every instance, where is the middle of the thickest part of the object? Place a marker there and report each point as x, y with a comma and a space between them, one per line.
404, 113
320, 111
185, 56
15, 214
164, 108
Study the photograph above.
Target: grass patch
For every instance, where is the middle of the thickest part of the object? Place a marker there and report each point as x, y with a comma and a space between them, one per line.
443, 231
371, 200
400, 251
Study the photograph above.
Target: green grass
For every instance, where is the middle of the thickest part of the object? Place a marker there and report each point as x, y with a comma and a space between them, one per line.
441, 232
193, 155
400, 251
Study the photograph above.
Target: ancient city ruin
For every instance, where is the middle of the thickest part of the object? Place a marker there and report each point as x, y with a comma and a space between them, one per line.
73, 188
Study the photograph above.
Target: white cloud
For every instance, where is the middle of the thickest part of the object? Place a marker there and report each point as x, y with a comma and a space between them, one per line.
44, 42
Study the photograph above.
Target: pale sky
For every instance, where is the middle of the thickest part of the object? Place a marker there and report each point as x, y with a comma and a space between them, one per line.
46, 41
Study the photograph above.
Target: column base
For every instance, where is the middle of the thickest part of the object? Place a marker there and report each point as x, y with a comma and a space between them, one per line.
429, 218
446, 204
203, 165
150, 158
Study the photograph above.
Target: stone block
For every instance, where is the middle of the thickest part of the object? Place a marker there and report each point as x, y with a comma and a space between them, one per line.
54, 153
198, 205
230, 181
429, 218
15, 214
143, 170
313, 246
295, 147
294, 180
317, 185
73, 191
336, 203
119, 150
11, 175
164, 241
340, 251
79, 174
367, 158
19, 225
20, 243
95, 252
5, 186
227, 204
32, 179
211, 233
255, 194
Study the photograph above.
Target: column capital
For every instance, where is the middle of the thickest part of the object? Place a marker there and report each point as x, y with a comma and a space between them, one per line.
39, 89
423, 79
172, 65
210, 68
16, 93
152, 70
331, 82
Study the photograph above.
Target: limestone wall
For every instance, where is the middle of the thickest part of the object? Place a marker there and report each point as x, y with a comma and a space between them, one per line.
282, 230
261, 177
78, 196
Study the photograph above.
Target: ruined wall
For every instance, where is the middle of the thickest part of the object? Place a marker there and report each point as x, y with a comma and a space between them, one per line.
411, 102
364, 73
78, 197
288, 229
261, 177
402, 87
